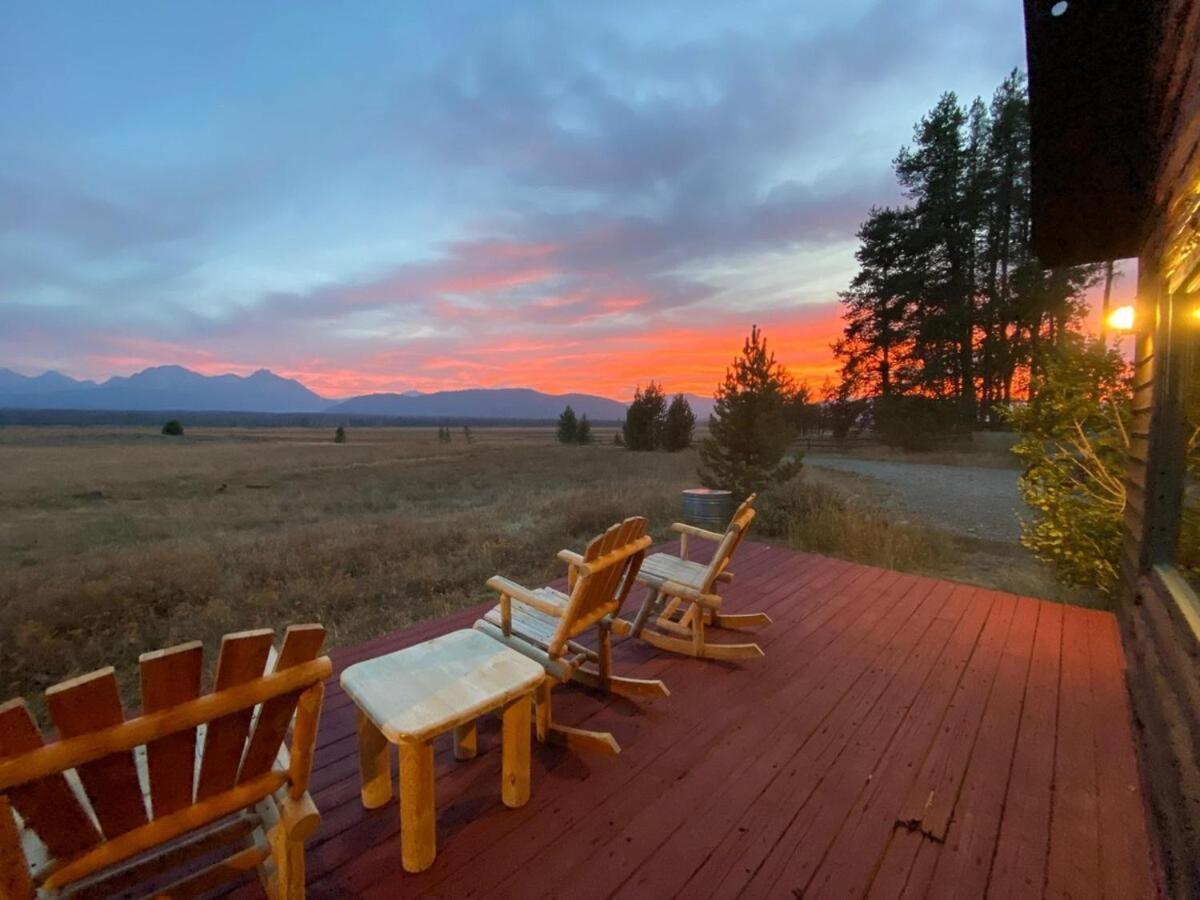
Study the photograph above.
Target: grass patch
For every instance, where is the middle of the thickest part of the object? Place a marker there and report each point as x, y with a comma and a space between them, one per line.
117, 544
818, 517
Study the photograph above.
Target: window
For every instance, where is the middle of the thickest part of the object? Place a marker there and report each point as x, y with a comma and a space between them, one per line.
1187, 551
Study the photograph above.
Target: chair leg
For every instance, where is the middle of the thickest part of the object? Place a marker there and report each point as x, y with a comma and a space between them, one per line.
563, 735
541, 702
288, 856
653, 596
604, 663
697, 615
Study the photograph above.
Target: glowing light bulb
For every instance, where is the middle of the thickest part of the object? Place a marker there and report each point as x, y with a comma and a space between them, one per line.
1121, 318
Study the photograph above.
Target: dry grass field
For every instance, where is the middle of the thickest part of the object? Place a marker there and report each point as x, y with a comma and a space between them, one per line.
114, 541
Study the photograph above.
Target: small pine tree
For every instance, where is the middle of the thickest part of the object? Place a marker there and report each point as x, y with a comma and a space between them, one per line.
643, 425
583, 430
443, 435
751, 426
568, 427
467, 433
339, 436
679, 425
173, 428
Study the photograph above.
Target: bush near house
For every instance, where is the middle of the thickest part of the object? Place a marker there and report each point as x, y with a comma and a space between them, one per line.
1074, 443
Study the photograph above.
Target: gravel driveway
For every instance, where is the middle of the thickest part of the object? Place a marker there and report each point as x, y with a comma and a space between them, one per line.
982, 502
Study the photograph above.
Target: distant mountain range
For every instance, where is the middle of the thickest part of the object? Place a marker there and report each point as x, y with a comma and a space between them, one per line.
175, 388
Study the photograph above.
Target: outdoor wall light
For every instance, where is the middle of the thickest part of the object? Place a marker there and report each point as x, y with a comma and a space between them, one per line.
1122, 318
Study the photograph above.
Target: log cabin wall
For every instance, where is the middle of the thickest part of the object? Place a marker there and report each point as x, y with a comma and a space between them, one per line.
1160, 618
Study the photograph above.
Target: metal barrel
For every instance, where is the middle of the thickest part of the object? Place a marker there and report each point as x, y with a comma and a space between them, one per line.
707, 508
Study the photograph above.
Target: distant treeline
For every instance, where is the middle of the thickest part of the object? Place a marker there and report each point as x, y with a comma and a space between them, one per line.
216, 419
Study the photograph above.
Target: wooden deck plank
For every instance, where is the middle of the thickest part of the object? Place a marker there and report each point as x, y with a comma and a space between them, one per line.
854, 849
1019, 861
778, 778
1073, 867
824, 684
959, 867
756, 778
1125, 860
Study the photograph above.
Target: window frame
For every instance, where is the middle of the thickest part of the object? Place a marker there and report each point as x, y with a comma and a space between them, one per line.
1178, 340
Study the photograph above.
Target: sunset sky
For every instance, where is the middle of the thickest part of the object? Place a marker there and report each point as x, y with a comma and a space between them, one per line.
393, 196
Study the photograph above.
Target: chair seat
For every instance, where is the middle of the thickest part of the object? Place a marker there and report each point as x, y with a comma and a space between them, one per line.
660, 567
532, 624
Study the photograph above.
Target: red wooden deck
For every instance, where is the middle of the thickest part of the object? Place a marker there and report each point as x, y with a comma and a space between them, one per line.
903, 736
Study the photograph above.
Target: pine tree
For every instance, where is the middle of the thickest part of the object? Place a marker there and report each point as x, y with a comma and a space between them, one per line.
583, 431
642, 428
568, 426
679, 425
339, 436
751, 427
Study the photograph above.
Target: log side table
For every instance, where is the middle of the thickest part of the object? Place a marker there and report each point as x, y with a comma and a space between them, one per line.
411, 696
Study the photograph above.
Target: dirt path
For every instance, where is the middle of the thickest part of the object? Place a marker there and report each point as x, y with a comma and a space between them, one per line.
975, 501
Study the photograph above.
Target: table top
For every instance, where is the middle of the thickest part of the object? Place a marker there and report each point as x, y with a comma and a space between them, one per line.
424, 690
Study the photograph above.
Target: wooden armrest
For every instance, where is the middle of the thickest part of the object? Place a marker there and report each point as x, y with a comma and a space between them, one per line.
507, 588
685, 528
675, 589
570, 557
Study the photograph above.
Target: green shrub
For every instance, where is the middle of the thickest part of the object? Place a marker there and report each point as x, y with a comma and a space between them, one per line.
173, 428
339, 436
1074, 441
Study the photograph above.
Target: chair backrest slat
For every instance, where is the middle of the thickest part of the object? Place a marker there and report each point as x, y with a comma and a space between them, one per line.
601, 592
170, 677
243, 657
100, 743
47, 805
738, 526
301, 644
81, 706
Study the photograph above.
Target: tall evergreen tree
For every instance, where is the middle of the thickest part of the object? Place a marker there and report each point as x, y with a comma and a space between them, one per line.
568, 426
751, 428
949, 302
679, 425
583, 430
642, 428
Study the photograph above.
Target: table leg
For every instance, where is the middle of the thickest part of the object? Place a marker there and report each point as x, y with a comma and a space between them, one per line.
514, 784
418, 818
374, 762
466, 741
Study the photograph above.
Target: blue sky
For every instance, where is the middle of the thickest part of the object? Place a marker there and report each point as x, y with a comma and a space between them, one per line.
387, 196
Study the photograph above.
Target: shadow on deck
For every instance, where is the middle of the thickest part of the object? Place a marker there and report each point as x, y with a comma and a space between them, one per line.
902, 735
